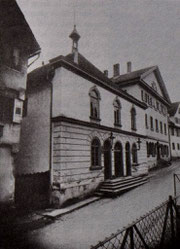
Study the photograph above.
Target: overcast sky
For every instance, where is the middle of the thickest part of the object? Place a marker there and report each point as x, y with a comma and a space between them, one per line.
145, 32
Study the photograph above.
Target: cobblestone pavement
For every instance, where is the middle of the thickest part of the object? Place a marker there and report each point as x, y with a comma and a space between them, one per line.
87, 226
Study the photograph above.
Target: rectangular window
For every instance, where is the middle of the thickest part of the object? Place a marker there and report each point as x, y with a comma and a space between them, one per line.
161, 127
165, 129
173, 146
151, 122
18, 107
146, 121
150, 101
178, 146
157, 105
146, 97
142, 95
157, 126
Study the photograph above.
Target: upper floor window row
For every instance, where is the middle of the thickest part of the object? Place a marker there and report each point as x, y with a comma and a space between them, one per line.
158, 125
173, 129
95, 109
149, 100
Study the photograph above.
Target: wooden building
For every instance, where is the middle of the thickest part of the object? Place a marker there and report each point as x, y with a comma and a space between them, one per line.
17, 45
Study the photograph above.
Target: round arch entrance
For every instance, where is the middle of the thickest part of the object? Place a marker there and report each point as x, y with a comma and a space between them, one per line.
128, 159
107, 160
118, 159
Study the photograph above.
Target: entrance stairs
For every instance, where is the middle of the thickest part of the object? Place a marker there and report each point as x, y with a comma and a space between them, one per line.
114, 187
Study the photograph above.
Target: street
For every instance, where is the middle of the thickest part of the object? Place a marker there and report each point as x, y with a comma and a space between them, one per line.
86, 226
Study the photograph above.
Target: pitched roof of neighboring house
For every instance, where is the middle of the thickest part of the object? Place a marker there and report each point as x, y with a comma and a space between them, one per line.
131, 76
85, 69
138, 76
173, 109
13, 22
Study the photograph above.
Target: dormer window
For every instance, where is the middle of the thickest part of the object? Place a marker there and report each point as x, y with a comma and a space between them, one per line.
94, 104
117, 112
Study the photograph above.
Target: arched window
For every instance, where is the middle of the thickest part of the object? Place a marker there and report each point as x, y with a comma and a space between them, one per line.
94, 104
133, 118
134, 153
95, 153
117, 112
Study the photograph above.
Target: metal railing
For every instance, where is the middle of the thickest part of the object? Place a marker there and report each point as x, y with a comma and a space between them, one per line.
176, 178
153, 230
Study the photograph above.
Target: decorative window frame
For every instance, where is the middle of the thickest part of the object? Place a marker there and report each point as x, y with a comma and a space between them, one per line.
94, 104
117, 109
94, 166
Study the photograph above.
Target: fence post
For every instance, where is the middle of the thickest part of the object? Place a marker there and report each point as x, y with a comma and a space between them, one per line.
131, 237
175, 185
172, 218
164, 226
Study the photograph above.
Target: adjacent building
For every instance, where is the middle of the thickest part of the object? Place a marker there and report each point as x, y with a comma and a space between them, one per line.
17, 45
147, 85
174, 129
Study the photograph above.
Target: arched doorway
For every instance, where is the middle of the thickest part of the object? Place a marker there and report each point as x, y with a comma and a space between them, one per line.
118, 159
128, 159
107, 160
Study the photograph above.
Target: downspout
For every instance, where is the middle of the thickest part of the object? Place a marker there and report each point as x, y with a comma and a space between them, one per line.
50, 75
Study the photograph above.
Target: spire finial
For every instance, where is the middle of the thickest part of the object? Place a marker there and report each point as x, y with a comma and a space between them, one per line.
75, 38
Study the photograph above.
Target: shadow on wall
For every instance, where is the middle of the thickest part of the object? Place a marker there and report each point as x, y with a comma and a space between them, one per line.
32, 190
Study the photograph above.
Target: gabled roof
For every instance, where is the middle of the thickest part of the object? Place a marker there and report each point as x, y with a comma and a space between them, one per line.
85, 69
12, 21
88, 67
173, 109
139, 75
131, 76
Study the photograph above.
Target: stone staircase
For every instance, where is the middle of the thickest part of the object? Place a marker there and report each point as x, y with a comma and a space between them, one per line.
114, 187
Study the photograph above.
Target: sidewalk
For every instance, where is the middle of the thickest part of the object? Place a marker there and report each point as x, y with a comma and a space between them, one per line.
21, 220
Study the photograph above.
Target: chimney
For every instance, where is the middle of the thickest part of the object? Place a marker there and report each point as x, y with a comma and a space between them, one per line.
129, 67
106, 73
116, 69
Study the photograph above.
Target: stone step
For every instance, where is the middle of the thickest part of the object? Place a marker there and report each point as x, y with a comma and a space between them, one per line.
121, 184
113, 189
121, 190
123, 179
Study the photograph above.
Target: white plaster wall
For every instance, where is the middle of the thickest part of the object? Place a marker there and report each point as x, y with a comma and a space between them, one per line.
134, 90
11, 134
35, 135
13, 79
152, 78
71, 99
160, 117
6, 175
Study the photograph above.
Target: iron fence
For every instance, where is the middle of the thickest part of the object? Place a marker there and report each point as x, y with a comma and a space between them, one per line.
153, 230
176, 179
